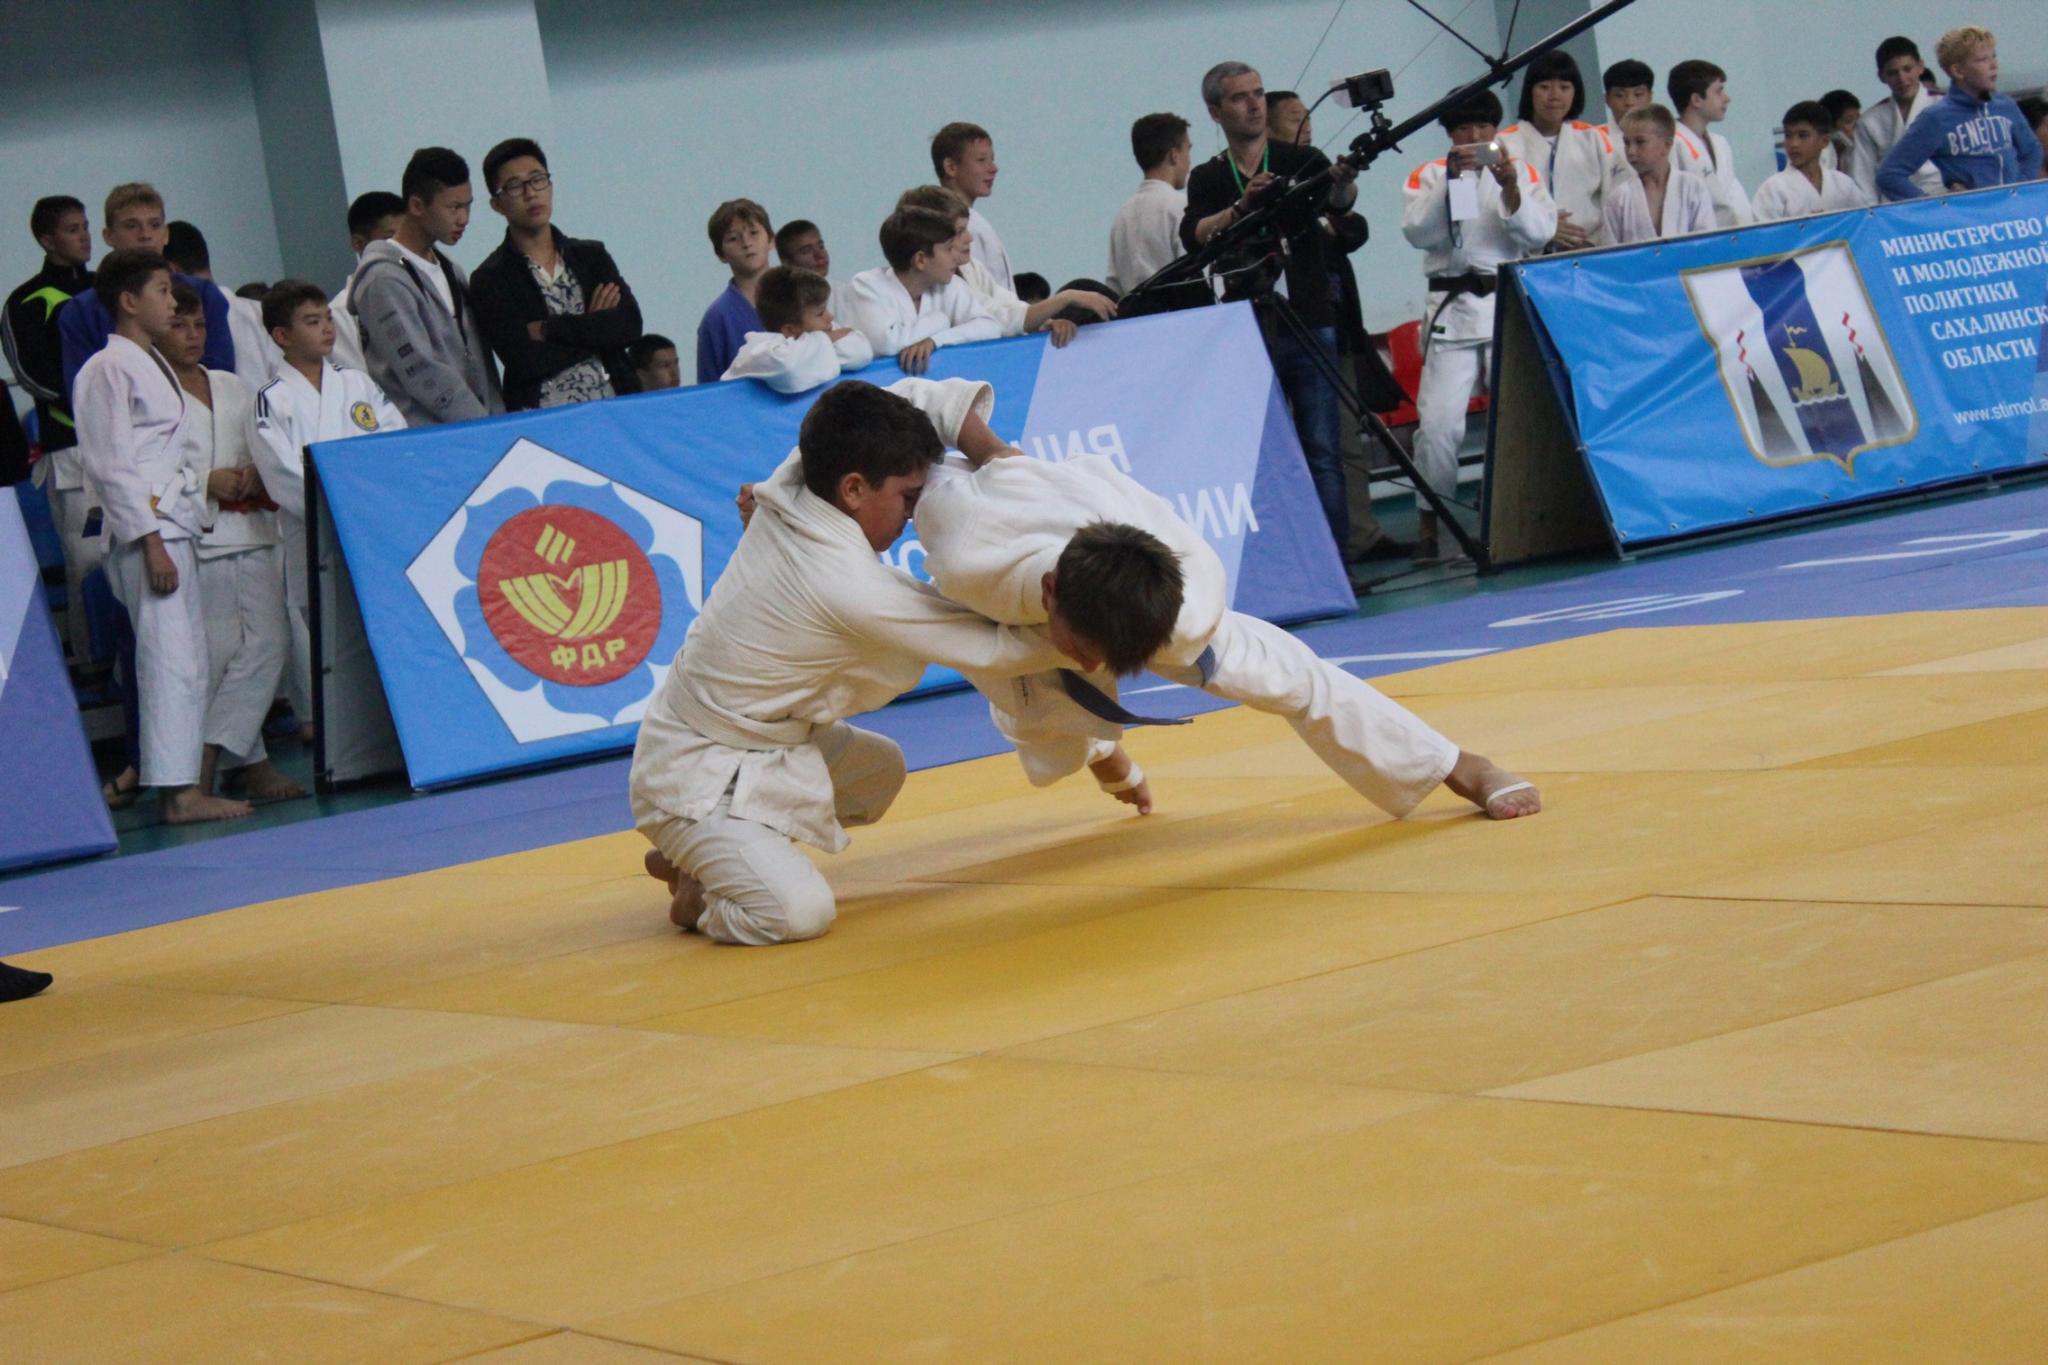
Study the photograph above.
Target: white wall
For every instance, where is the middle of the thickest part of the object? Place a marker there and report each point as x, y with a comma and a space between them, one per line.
825, 111
77, 119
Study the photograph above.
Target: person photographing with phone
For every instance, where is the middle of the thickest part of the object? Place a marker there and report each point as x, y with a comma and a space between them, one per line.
1468, 213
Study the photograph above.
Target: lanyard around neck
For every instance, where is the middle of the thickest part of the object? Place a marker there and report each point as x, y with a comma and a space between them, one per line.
1265, 165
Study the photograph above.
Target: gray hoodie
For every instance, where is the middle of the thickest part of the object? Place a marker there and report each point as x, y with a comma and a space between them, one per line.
431, 362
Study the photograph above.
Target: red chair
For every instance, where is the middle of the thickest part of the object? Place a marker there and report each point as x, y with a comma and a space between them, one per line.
1403, 349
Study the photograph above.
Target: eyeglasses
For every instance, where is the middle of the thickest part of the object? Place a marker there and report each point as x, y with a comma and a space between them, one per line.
527, 188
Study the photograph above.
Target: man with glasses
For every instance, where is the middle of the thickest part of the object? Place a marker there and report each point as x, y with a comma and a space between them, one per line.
553, 307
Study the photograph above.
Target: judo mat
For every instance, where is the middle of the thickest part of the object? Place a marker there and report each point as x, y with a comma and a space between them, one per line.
1736, 1051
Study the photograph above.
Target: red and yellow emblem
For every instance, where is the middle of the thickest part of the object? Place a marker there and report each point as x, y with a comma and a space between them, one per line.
570, 596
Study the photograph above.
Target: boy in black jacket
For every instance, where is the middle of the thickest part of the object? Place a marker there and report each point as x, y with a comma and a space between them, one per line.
552, 307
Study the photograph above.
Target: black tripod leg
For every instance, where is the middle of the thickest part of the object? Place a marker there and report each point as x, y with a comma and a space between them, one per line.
1368, 420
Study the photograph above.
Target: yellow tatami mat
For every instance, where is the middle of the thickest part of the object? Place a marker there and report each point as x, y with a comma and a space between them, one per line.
1736, 1052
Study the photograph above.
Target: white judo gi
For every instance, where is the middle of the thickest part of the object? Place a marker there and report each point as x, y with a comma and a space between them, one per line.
1880, 128
131, 414
256, 355
1711, 159
289, 415
1578, 168
990, 537
987, 248
745, 752
241, 580
880, 309
1458, 328
1789, 194
997, 299
1145, 238
1688, 207
799, 364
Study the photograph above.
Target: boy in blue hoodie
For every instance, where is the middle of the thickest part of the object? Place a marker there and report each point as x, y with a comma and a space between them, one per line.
1976, 137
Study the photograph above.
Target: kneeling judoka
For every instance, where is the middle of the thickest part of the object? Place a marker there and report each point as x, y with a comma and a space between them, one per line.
745, 752
1122, 583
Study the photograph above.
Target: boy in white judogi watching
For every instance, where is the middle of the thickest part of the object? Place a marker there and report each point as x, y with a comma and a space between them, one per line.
310, 400
1011, 313
1655, 202
1806, 187
1467, 220
917, 302
1900, 67
130, 414
241, 578
1122, 583
1699, 97
745, 754
802, 346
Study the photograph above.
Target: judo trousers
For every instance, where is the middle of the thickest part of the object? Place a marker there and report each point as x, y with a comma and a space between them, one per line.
170, 661
247, 639
1449, 376
759, 887
1385, 752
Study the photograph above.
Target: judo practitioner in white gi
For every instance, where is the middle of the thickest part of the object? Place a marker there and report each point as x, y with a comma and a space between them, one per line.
1656, 202
1806, 187
1144, 238
1467, 219
1578, 161
1014, 316
803, 346
1122, 583
131, 415
241, 573
745, 753
1900, 67
917, 302
1699, 97
310, 400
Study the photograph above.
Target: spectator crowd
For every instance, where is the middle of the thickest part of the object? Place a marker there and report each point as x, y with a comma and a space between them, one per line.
170, 415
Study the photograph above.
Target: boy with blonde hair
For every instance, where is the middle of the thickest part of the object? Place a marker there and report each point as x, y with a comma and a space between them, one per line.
1656, 202
1976, 137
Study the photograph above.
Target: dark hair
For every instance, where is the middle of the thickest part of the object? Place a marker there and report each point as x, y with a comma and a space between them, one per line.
185, 297
1892, 48
253, 290
730, 212
856, 428
952, 141
1813, 114
790, 231
1627, 75
185, 248
1155, 137
2033, 109
1690, 79
1273, 97
125, 272
286, 298
1119, 588
42, 219
1840, 102
908, 231
1032, 287
1482, 107
431, 170
641, 352
786, 292
511, 149
372, 208
1553, 66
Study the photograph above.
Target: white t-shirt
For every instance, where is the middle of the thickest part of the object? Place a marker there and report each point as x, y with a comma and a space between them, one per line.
437, 278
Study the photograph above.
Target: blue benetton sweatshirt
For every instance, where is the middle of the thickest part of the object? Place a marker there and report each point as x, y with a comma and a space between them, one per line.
1975, 143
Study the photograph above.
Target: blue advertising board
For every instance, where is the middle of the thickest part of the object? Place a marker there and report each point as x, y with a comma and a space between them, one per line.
526, 581
1746, 375
50, 803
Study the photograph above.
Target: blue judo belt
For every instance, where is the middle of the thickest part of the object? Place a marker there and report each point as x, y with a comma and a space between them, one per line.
1097, 703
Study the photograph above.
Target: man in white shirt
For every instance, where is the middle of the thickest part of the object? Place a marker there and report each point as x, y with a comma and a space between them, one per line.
1899, 66
373, 217
964, 160
1146, 233
745, 754
1699, 97
917, 302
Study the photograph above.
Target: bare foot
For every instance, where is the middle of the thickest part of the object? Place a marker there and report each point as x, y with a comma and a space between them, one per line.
1492, 788
659, 869
1117, 769
263, 782
686, 893
120, 793
190, 806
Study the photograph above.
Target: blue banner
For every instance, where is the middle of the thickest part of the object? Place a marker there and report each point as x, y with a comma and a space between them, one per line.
526, 581
50, 803
1738, 376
